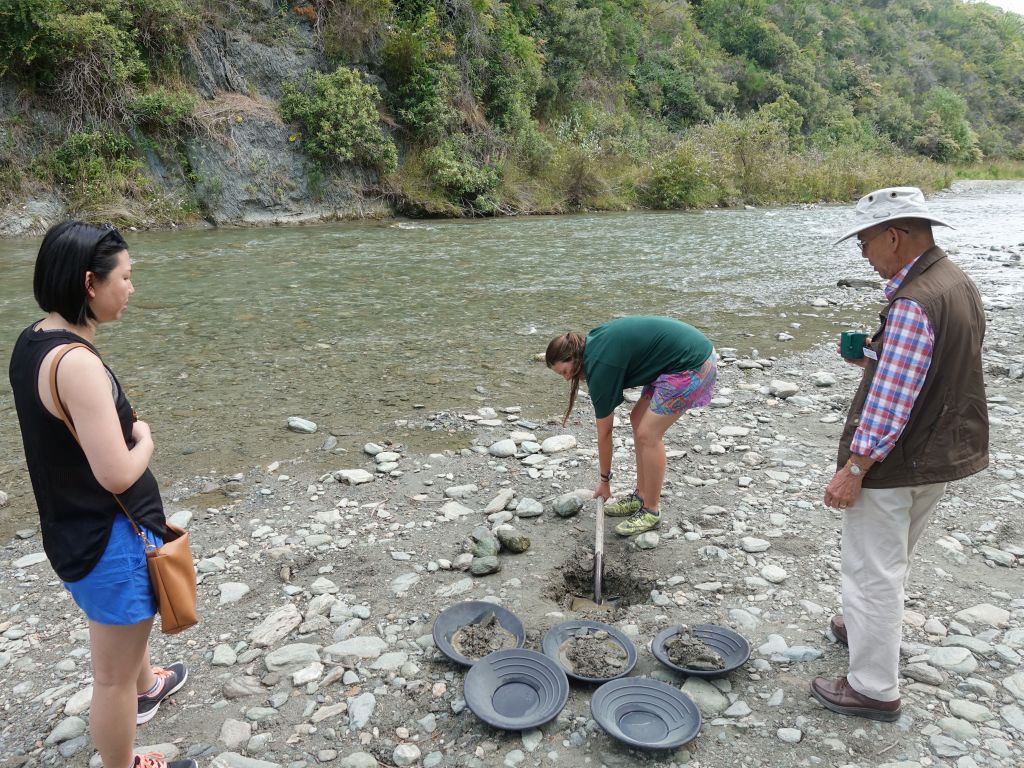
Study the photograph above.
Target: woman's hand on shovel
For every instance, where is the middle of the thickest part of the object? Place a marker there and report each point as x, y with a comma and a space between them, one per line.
603, 490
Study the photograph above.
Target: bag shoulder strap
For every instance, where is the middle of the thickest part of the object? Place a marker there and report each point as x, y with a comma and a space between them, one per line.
66, 418
57, 404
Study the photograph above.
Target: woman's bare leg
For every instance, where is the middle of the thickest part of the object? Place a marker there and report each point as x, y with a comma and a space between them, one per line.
118, 655
648, 435
635, 417
146, 677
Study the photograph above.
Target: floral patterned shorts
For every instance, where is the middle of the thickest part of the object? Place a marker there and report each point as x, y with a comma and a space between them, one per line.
673, 393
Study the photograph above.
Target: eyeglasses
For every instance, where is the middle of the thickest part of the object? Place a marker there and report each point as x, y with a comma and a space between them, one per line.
863, 244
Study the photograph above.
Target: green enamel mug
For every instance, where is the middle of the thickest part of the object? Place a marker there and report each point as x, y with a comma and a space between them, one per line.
851, 345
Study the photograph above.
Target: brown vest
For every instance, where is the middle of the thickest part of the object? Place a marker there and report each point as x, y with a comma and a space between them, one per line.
946, 437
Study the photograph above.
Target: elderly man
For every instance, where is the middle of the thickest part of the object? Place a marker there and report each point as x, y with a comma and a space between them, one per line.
918, 421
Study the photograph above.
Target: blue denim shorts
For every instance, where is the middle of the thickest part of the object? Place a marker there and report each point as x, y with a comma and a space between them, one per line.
117, 590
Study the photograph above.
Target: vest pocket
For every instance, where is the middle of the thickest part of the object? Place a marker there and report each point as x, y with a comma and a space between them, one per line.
938, 445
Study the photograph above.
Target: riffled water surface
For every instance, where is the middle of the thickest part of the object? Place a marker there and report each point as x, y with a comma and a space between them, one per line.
233, 330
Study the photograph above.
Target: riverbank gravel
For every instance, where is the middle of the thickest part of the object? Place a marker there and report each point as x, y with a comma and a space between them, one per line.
318, 590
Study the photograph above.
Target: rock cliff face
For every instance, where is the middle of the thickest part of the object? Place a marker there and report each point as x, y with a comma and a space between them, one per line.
241, 164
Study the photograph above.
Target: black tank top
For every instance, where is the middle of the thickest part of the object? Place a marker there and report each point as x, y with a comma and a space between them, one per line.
75, 512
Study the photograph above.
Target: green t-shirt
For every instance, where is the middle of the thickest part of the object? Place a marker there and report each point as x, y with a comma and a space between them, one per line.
634, 351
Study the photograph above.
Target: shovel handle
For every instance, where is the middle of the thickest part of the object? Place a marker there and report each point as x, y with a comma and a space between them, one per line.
598, 550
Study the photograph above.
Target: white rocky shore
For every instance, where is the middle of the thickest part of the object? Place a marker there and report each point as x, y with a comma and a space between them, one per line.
318, 592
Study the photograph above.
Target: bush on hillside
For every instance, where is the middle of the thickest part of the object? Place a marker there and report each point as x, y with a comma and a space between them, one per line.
163, 111
94, 167
462, 178
421, 82
682, 178
89, 52
339, 119
349, 31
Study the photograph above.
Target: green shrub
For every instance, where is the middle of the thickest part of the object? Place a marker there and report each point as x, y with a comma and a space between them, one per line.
513, 71
90, 52
94, 167
339, 119
681, 178
582, 179
350, 30
163, 111
532, 149
947, 135
421, 81
462, 178
12, 171
90, 155
21, 38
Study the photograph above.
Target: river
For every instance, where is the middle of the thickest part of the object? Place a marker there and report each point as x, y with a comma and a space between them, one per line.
357, 325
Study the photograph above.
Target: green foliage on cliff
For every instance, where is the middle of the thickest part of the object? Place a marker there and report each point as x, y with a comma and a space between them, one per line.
487, 106
92, 55
339, 117
697, 96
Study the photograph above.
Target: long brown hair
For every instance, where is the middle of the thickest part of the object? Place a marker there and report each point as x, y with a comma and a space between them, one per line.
568, 348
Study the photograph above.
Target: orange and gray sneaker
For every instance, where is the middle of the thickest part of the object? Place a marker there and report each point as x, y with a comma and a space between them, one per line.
156, 760
169, 681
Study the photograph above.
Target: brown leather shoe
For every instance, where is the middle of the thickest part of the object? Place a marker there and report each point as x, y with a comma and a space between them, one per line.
838, 696
838, 627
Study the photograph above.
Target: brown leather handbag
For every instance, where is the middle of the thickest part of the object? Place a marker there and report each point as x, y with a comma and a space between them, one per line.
171, 572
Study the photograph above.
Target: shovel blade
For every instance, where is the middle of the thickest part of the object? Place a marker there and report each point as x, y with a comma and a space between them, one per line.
581, 603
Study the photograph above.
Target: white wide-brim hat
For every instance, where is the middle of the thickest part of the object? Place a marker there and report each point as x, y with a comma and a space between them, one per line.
889, 204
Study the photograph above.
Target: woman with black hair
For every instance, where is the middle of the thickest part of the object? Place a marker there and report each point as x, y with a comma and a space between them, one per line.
83, 278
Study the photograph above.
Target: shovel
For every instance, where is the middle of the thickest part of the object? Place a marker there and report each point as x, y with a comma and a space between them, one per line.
580, 603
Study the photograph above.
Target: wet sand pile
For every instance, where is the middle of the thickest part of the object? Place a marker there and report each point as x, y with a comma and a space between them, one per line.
474, 641
593, 654
688, 651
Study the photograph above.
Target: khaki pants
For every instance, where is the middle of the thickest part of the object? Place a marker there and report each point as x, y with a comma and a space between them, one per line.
879, 535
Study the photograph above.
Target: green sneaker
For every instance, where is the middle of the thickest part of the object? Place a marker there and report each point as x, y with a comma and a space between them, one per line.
644, 520
624, 507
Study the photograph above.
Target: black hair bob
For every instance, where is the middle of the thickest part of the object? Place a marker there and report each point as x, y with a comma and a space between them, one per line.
69, 250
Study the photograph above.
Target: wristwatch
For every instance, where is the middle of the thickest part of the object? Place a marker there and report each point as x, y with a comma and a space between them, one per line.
607, 478
855, 469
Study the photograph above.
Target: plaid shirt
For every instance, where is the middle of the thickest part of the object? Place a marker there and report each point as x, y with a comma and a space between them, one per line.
908, 341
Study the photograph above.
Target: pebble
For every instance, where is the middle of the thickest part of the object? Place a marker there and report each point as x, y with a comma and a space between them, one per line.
276, 626
709, 700
528, 508
558, 443
68, 728
567, 505
235, 760
29, 560
970, 711
503, 448
500, 502
789, 735
460, 491
646, 540
360, 710
774, 574
955, 659
783, 389
406, 754
984, 613
353, 476
924, 673
304, 426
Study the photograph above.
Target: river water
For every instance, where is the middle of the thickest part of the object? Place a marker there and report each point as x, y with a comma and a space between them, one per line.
357, 325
